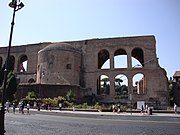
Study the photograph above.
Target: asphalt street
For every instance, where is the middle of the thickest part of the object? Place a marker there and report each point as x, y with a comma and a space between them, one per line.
83, 123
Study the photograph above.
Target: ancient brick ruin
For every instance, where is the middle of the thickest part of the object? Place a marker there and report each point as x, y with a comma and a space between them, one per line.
92, 67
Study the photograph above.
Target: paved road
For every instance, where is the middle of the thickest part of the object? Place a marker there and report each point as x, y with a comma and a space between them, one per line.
53, 123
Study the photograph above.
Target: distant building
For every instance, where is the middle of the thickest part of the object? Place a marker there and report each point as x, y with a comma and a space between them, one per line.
176, 87
52, 69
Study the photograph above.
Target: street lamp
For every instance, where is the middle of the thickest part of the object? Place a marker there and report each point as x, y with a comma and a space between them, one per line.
16, 5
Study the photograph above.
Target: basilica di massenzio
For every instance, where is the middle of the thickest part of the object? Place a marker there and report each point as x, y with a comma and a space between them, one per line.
121, 69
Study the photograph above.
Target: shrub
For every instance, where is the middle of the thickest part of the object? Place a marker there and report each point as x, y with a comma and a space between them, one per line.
90, 99
97, 106
123, 108
68, 104
70, 96
30, 98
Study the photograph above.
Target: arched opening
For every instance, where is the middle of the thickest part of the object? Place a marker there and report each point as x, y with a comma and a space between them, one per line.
121, 86
31, 80
103, 59
138, 84
1, 62
120, 59
137, 58
103, 85
106, 65
22, 63
11, 62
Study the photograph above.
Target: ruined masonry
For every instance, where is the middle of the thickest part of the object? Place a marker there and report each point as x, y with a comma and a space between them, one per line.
102, 67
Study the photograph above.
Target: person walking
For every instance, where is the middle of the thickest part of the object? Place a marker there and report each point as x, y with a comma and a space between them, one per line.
7, 106
146, 108
28, 107
118, 108
142, 109
14, 108
175, 108
35, 105
38, 106
60, 106
22, 107
113, 108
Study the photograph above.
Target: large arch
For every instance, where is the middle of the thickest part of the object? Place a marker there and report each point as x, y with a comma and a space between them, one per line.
22, 63
139, 84
103, 58
121, 86
120, 59
137, 57
103, 85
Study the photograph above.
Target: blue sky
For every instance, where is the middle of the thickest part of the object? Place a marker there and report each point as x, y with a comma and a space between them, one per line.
65, 20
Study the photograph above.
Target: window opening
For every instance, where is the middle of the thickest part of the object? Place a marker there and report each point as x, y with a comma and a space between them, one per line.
68, 66
137, 58
23, 61
103, 59
121, 86
103, 85
139, 84
120, 59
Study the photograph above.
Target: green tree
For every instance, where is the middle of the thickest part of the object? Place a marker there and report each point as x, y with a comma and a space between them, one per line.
70, 96
31, 96
105, 88
11, 87
119, 81
121, 90
2, 75
11, 84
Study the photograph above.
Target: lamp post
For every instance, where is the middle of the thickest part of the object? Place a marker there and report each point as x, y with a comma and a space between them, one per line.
16, 5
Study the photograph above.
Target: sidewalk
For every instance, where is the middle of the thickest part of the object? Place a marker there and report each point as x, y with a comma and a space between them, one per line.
110, 113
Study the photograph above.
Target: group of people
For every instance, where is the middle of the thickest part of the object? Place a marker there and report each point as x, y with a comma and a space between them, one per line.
38, 105
144, 110
21, 106
147, 109
116, 108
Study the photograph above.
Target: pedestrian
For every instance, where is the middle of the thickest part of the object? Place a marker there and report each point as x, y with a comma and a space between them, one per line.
118, 108
73, 109
146, 108
49, 107
35, 105
142, 109
60, 106
175, 108
14, 108
38, 106
22, 107
7, 106
46, 106
113, 108
28, 107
